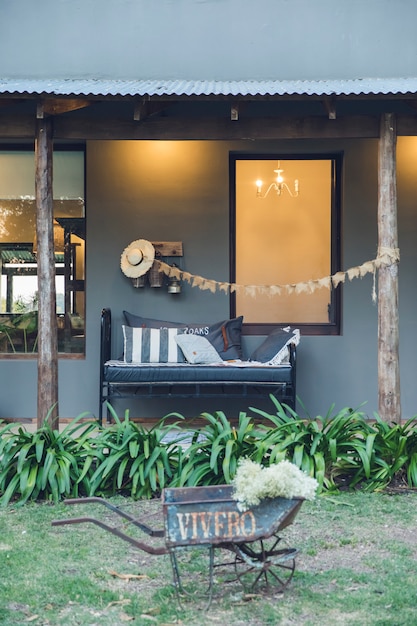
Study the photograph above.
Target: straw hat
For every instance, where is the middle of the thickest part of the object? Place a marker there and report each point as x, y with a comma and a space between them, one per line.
137, 258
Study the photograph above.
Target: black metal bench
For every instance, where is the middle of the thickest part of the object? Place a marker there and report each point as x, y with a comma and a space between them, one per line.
162, 380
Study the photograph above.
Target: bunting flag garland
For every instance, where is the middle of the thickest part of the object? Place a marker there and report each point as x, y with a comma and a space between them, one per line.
385, 258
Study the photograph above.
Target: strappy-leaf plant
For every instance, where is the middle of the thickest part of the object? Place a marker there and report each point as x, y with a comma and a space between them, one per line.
45, 464
411, 453
135, 460
395, 453
216, 449
336, 448
343, 449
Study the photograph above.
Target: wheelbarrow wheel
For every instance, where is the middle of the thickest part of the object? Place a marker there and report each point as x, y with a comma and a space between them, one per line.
264, 563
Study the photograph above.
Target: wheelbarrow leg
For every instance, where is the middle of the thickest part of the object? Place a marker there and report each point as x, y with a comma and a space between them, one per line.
179, 587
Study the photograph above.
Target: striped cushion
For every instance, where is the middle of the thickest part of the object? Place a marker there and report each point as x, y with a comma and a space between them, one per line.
151, 345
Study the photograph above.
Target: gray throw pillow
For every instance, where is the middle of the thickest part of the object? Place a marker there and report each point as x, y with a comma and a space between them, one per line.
274, 349
198, 349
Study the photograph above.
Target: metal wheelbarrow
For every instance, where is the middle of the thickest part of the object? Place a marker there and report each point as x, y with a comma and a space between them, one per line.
209, 517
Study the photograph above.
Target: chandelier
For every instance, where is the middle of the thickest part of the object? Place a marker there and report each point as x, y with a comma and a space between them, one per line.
278, 185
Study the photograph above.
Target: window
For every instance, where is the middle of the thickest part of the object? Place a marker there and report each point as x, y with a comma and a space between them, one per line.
285, 230
18, 250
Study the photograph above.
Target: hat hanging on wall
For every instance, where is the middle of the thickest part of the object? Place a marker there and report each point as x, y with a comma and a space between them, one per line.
137, 258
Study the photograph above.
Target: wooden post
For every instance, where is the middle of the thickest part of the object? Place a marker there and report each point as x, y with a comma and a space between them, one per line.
47, 325
389, 404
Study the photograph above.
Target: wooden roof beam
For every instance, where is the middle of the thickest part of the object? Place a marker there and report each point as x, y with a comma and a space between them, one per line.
411, 103
172, 128
7, 102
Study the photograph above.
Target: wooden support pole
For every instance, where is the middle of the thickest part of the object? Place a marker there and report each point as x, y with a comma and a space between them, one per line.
389, 400
47, 325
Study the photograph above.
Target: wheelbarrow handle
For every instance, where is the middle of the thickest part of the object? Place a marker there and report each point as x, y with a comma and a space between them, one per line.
95, 499
113, 531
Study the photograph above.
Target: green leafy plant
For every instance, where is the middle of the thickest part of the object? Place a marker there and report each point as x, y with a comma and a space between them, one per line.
395, 454
24, 327
132, 459
342, 450
45, 464
216, 448
336, 449
412, 457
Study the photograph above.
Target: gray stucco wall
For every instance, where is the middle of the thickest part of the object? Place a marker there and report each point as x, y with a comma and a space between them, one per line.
208, 39
126, 201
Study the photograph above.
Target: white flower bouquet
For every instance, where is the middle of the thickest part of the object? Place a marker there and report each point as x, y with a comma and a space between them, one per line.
252, 483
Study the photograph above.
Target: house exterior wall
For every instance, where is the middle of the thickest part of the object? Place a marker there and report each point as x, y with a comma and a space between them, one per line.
210, 40
179, 191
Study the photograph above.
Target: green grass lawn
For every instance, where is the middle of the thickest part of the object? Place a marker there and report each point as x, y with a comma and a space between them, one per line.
356, 565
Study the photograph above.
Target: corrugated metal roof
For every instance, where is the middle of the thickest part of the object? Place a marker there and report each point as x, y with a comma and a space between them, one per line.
24, 256
103, 87
17, 256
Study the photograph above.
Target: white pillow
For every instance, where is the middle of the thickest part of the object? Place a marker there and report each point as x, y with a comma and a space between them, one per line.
197, 349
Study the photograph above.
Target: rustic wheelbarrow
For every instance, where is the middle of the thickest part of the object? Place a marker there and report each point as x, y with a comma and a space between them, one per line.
209, 517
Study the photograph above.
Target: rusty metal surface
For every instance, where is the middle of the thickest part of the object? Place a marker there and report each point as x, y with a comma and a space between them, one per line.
201, 516
114, 531
133, 520
209, 515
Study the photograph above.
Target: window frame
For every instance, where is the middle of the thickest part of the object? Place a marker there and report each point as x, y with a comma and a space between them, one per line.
10, 273
333, 327
57, 147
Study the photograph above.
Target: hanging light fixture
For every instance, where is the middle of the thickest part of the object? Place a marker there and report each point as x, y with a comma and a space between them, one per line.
278, 185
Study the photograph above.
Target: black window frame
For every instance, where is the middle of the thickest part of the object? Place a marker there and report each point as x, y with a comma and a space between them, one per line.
334, 326
58, 146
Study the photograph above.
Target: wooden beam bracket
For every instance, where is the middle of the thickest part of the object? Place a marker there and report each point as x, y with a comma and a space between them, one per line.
140, 111
329, 104
40, 111
58, 106
234, 111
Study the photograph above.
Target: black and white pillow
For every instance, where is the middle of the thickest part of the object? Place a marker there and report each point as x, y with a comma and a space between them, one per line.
152, 345
225, 336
